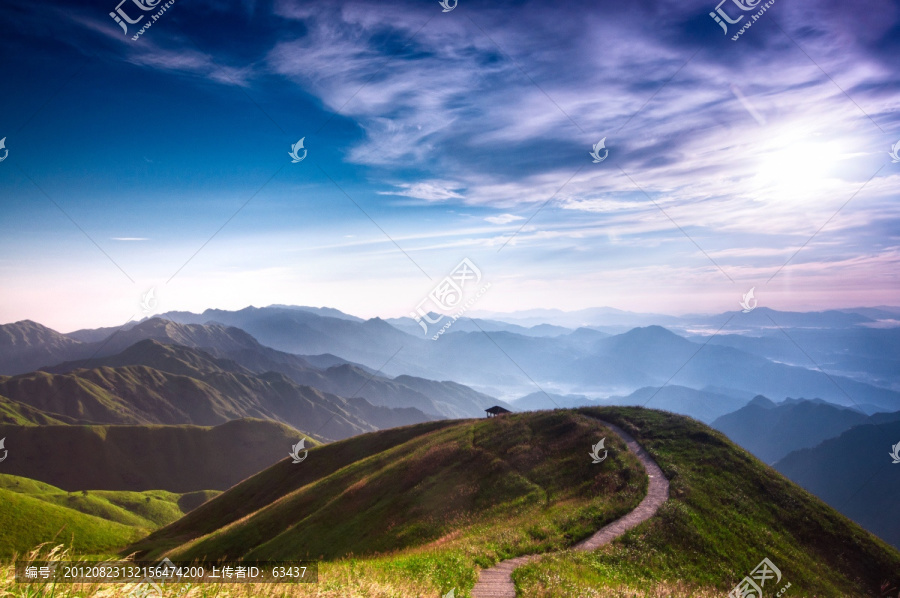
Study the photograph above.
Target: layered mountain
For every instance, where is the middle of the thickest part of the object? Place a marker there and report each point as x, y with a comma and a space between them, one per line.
412, 327
870, 355
537, 401
772, 430
234, 347
505, 363
20, 414
703, 405
582, 362
856, 474
136, 458
195, 388
654, 352
27, 345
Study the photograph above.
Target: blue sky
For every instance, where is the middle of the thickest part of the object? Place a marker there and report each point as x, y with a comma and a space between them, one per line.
432, 137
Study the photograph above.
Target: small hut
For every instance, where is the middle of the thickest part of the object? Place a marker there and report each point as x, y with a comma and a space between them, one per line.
496, 410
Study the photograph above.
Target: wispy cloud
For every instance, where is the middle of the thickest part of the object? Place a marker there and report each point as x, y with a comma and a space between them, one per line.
503, 218
429, 191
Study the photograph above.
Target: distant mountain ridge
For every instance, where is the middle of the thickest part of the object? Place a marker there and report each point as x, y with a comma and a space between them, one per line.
582, 361
27, 345
234, 348
505, 363
138, 458
205, 391
703, 405
772, 430
855, 474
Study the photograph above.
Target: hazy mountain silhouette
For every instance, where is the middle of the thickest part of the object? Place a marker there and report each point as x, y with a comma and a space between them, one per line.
174, 458
770, 431
25, 346
584, 361
855, 474
699, 404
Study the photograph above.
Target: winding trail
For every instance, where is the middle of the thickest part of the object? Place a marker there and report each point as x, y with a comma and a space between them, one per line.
496, 582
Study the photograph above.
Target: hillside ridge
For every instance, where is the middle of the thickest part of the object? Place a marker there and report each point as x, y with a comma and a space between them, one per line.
497, 582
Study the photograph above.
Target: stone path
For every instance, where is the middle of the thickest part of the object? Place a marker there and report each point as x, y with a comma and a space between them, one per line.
496, 582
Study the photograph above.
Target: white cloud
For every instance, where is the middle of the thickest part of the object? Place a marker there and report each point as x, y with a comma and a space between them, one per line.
503, 218
429, 191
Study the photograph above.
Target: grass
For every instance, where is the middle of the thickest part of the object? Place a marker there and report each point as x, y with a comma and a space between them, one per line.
19, 414
379, 578
96, 520
177, 458
430, 531
26, 521
511, 485
726, 513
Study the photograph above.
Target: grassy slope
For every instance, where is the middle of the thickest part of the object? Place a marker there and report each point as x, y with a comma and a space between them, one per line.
26, 521
19, 414
137, 458
279, 480
487, 488
198, 389
726, 513
140, 511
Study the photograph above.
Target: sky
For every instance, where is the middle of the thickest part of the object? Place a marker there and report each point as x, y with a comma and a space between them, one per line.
434, 136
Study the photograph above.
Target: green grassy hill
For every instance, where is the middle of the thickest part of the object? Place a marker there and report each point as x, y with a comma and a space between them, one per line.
19, 414
726, 513
434, 502
149, 510
27, 521
137, 458
91, 521
512, 485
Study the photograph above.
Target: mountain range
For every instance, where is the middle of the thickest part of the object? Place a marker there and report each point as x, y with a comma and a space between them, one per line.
855, 474
137, 458
324, 375
238, 351
771, 430
583, 361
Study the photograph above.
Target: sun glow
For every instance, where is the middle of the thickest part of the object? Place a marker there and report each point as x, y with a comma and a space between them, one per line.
798, 169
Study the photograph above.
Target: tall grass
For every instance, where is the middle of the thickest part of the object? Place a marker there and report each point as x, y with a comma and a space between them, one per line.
379, 578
